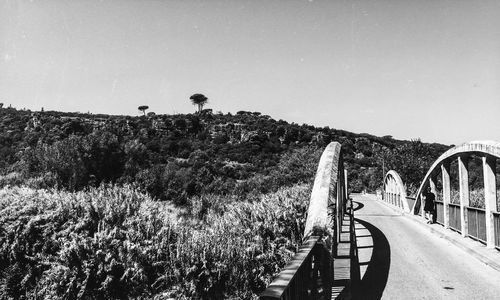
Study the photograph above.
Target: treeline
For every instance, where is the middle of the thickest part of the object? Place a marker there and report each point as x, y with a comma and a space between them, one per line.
176, 157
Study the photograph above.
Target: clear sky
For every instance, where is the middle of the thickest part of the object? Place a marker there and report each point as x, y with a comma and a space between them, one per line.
428, 69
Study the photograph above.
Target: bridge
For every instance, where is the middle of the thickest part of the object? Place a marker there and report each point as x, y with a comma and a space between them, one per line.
363, 246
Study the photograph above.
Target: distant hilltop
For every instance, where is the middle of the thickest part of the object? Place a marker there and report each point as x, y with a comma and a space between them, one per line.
235, 146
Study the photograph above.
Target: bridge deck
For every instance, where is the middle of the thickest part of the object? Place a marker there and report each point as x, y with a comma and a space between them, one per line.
400, 259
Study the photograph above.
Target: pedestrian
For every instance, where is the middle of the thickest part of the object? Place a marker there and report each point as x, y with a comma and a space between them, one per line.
429, 207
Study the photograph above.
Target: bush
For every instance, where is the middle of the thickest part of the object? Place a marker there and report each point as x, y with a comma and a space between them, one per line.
115, 242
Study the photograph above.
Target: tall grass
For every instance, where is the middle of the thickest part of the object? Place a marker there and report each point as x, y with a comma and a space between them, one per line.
115, 242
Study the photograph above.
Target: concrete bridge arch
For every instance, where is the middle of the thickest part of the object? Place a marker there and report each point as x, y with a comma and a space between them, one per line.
395, 191
489, 151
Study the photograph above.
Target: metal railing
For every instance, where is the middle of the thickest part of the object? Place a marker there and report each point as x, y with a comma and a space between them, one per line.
476, 225
308, 276
455, 221
440, 212
496, 225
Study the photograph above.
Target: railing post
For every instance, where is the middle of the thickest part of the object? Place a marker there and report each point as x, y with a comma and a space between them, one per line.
432, 184
338, 210
345, 190
463, 179
392, 191
422, 205
490, 198
445, 172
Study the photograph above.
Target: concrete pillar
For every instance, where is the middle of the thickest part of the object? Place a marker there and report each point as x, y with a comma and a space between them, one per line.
432, 184
490, 198
445, 172
345, 185
346, 191
422, 203
388, 190
392, 191
338, 205
463, 179
385, 189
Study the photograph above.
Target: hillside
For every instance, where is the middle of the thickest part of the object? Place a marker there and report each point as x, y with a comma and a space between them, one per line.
80, 216
175, 157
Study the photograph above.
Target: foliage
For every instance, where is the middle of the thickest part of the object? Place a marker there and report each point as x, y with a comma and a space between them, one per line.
200, 100
79, 216
175, 157
143, 108
116, 242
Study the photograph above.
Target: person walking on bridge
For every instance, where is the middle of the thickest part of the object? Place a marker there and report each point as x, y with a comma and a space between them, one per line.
430, 206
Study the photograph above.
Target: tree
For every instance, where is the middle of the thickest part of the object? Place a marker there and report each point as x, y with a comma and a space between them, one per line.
200, 100
143, 108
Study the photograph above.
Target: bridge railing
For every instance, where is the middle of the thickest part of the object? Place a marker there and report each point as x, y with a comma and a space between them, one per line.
479, 224
455, 220
309, 275
305, 276
440, 212
496, 222
476, 224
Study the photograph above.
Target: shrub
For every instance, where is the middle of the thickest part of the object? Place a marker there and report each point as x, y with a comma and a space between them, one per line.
115, 242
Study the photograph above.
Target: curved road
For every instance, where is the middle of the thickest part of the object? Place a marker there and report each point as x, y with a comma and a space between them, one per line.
400, 259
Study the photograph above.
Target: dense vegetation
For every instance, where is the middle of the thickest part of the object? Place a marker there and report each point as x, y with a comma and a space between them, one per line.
117, 243
196, 206
175, 157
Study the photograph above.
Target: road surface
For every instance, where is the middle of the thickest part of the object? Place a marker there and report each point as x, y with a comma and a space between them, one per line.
401, 259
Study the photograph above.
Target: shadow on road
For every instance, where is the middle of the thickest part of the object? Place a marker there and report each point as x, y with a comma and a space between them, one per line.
374, 280
357, 205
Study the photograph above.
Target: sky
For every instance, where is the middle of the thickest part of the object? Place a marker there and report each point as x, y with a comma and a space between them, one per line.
411, 69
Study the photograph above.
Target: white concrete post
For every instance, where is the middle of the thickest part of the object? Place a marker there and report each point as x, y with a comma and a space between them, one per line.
445, 171
338, 206
385, 189
463, 179
345, 183
388, 190
343, 199
432, 184
490, 198
422, 203
392, 190
345, 186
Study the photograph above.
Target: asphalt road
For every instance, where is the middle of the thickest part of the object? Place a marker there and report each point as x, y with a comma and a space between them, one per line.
400, 259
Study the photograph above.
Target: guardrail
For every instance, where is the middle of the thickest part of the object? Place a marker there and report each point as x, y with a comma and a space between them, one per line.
476, 223
310, 273
440, 212
455, 221
307, 276
496, 224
